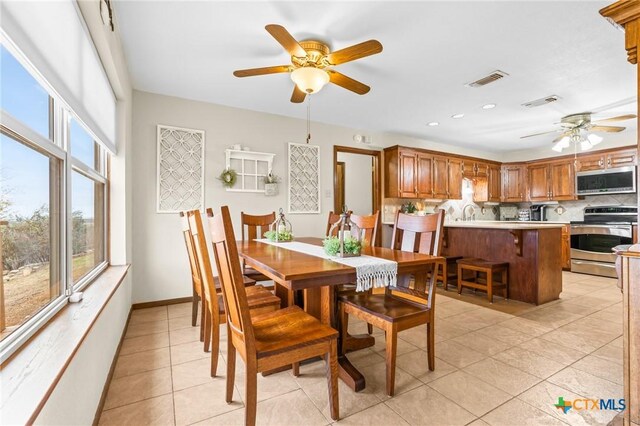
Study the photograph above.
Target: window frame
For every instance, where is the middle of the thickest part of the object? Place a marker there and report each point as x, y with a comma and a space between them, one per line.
58, 147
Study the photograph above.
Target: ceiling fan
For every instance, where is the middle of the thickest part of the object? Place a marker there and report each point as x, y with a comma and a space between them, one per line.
575, 126
312, 62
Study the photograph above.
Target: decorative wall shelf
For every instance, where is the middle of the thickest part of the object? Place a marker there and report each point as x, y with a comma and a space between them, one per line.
251, 168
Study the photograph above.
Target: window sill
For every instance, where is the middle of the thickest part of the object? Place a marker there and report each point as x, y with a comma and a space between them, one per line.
30, 375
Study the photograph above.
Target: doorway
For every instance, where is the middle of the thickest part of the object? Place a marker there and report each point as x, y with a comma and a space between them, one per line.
357, 180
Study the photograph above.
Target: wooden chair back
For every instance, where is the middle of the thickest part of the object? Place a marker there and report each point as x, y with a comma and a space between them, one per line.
419, 234
193, 261
203, 260
333, 218
254, 226
225, 253
368, 225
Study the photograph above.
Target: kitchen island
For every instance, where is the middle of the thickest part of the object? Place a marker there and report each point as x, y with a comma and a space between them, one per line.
533, 251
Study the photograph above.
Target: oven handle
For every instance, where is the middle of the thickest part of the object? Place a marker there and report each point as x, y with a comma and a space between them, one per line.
616, 230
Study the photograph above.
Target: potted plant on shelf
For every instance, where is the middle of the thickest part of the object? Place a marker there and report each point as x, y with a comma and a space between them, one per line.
271, 184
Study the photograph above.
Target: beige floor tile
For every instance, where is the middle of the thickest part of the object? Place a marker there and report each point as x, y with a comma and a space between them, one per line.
291, 409
146, 328
526, 326
177, 323
545, 394
450, 309
139, 316
586, 384
504, 334
559, 353
141, 361
184, 335
153, 411
479, 318
601, 368
478, 422
610, 352
425, 406
482, 343
375, 377
365, 357
144, 343
130, 389
457, 355
590, 323
203, 401
181, 310
269, 386
403, 346
591, 301
473, 394
582, 339
605, 315
188, 352
529, 362
195, 373
517, 412
502, 376
567, 306
377, 415
550, 317
350, 402
417, 364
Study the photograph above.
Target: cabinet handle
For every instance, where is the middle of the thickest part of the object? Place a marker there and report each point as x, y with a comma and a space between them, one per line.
415, 189
601, 163
608, 161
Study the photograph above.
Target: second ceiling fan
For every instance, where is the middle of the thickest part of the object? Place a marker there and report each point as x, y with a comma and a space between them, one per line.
312, 62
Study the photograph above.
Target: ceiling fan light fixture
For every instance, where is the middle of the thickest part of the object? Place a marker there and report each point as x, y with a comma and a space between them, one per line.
558, 147
594, 139
585, 145
309, 79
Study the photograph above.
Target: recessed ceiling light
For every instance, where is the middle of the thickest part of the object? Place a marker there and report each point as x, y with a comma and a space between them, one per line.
433, 123
488, 106
457, 116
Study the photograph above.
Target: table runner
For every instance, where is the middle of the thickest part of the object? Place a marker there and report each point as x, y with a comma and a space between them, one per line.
370, 271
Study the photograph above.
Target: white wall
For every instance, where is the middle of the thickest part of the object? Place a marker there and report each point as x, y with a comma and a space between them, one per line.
161, 269
358, 192
76, 396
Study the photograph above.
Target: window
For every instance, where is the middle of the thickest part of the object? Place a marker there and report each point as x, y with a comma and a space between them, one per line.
52, 203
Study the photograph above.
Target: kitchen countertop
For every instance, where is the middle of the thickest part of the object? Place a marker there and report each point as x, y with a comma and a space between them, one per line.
499, 224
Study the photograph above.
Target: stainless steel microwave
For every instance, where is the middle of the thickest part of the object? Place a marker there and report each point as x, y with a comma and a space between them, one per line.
621, 180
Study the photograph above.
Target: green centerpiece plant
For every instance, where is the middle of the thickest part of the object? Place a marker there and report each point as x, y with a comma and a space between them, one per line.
352, 246
281, 236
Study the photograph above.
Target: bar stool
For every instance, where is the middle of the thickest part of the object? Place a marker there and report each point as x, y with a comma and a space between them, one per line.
495, 276
449, 271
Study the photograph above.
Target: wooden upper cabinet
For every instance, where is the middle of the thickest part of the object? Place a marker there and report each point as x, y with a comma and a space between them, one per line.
591, 162
468, 168
454, 183
494, 183
538, 183
440, 177
513, 183
563, 181
482, 170
424, 184
408, 171
622, 158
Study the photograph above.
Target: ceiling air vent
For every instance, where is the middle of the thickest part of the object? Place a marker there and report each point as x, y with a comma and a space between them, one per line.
494, 76
541, 101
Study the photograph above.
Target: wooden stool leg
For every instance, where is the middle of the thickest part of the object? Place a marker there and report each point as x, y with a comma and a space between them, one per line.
445, 276
231, 367
369, 328
332, 380
391, 337
490, 286
251, 394
460, 271
295, 367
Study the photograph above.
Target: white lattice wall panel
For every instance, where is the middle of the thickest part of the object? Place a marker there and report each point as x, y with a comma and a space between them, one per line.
180, 177
304, 178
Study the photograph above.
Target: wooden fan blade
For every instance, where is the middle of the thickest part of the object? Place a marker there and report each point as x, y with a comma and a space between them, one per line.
354, 52
538, 134
262, 71
287, 41
565, 134
618, 118
347, 82
609, 129
298, 95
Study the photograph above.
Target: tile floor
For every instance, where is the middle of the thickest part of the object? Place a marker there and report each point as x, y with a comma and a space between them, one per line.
492, 367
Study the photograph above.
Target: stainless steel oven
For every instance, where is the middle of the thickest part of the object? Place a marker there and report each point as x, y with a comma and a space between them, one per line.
593, 240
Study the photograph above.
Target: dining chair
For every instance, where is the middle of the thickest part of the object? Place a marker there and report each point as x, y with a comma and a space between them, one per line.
267, 341
333, 218
254, 226
195, 278
409, 304
260, 300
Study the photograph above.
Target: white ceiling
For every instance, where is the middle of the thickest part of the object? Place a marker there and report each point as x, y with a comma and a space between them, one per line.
431, 49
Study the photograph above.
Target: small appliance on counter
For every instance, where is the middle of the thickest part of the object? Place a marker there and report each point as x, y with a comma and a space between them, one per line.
538, 212
508, 212
524, 215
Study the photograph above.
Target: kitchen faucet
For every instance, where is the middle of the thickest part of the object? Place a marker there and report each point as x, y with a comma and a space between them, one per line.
464, 212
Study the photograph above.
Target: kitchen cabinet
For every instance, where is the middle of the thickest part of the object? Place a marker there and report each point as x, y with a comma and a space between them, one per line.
468, 168
408, 174
551, 181
494, 183
424, 185
513, 182
454, 179
408, 178
440, 177
622, 158
591, 162
602, 161
566, 247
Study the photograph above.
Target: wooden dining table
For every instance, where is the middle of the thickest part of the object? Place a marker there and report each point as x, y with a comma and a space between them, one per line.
317, 278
